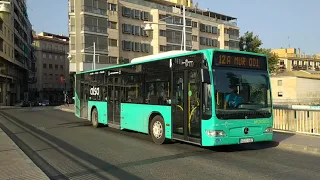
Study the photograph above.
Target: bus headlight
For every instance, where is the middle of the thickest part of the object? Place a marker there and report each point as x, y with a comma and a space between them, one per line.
268, 130
215, 133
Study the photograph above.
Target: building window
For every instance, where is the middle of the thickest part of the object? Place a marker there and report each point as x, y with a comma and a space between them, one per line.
126, 12
163, 33
136, 30
50, 66
1, 24
126, 45
1, 44
56, 66
194, 38
113, 60
209, 42
113, 42
279, 82
145, 48
126, 28
112, 25
112, 7
136, 47
136, 14
279, 94
44, 65
163, 48
61, 66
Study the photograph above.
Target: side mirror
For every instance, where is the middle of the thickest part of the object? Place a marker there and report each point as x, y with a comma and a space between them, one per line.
205, 76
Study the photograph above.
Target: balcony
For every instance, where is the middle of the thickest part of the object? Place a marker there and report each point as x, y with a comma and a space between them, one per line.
94, 11
71, 9
54, 51
5, 7
94, 29
233, 37
72, 28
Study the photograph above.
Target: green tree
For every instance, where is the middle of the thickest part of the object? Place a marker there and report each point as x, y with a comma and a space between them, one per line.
251, 43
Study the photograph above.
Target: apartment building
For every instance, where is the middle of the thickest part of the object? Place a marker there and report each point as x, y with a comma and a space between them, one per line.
118, 28
298, 78
17, 60
53, 79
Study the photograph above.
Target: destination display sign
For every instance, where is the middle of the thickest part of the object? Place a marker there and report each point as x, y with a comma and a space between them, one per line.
238, 60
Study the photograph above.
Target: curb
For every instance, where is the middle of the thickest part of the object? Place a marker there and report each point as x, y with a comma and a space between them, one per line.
297, 133
64, 109
300, 148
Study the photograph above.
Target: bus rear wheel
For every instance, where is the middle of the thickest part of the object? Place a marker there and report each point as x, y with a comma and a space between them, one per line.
94, 118
157, 130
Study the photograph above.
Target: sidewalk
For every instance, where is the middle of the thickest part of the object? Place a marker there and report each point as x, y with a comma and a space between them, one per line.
14, 164
298, 142
286, 140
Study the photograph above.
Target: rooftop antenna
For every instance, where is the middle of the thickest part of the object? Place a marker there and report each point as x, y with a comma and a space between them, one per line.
289, 41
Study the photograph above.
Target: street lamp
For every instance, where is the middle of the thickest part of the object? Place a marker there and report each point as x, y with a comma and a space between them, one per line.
148, 26
94, 55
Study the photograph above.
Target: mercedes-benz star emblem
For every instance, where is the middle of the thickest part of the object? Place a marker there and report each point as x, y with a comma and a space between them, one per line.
246, 130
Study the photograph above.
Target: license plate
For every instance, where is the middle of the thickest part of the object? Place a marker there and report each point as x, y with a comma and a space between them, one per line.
247, 140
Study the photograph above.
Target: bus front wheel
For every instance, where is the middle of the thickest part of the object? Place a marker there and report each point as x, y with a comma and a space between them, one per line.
94, 118
157, 130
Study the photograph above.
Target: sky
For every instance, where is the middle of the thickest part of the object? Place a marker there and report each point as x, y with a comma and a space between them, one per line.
278, 23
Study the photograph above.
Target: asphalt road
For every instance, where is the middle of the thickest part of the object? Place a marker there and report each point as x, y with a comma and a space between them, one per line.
66, 147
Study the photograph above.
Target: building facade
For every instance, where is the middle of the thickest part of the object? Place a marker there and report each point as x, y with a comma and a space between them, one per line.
17, 61
291, 59
298, 78
117, 27
296, 87
53, 79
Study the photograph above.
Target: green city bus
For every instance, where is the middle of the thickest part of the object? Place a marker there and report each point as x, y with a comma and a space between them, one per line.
208, 97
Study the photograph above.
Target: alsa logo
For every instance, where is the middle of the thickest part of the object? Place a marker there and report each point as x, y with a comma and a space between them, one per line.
94, 91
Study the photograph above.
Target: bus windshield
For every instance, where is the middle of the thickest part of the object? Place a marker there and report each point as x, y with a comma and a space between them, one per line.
242, 93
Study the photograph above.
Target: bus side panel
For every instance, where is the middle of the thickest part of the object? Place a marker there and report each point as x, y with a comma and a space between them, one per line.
136, 117
102, 111
77, 105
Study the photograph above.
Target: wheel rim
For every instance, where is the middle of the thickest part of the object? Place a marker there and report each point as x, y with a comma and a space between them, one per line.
157, 130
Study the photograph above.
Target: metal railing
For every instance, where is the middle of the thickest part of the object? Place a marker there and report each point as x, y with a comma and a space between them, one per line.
234, 37
51, 50
95, 29
94, 10
296, 120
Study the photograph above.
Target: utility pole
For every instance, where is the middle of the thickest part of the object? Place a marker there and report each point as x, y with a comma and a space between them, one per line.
184, 28
94, 55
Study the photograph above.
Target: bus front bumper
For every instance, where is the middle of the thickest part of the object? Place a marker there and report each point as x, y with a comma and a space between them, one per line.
225, 140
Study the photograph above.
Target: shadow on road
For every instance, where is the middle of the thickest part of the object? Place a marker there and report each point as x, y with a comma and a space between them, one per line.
226, 148
50, 171
279, 137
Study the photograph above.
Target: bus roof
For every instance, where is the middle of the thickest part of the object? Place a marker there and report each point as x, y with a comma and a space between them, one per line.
160, 55
165, 55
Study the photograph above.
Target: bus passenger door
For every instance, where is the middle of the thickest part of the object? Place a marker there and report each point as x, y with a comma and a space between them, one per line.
115, 93
110, 99
186, 121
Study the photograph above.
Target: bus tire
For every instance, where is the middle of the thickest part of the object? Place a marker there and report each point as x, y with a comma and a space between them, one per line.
94, 118
157, 130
